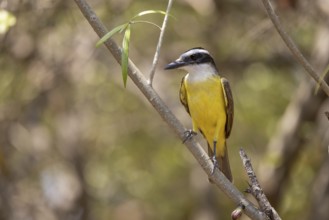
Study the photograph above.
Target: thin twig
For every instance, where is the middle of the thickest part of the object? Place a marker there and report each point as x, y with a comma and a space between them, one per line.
293, 48
197, 151
256, 189
157, 52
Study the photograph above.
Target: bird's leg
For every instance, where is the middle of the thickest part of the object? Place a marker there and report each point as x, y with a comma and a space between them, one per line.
188, 134
213, 159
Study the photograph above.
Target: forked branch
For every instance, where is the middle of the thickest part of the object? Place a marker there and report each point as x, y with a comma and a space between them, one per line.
256, 190
157, 52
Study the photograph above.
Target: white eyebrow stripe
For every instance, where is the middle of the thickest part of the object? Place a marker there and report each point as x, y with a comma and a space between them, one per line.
195, 51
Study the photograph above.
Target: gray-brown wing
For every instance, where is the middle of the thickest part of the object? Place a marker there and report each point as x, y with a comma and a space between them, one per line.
229, 106
183, 95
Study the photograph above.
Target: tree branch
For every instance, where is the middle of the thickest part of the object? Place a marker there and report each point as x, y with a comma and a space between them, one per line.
203, 159
286, 144
293, 48
157, 53
256, 190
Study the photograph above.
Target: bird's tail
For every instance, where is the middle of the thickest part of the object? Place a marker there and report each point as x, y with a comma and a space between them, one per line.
223, 161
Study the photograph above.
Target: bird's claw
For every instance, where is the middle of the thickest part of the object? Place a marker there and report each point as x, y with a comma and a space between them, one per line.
188, 134
215, 162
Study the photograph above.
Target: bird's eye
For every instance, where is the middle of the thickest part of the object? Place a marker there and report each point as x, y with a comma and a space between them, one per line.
196, 56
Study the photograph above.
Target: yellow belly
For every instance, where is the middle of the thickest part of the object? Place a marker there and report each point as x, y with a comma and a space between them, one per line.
207, 108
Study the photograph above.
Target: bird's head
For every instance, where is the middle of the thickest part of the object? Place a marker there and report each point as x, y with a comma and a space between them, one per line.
195, 60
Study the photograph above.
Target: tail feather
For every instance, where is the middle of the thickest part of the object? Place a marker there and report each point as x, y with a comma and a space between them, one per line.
223, 163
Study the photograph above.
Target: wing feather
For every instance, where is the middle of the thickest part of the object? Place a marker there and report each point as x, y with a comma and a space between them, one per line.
183, 95
229, 106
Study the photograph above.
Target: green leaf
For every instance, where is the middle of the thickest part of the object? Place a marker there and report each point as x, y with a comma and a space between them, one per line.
145, 22
111, 33
125, 55
149, 12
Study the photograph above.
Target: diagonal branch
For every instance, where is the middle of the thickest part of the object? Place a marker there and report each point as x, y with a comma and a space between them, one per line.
157, 52
256, 190
293, 48
197, 151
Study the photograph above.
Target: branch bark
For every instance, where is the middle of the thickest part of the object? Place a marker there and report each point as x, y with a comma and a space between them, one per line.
157, 52
150, 94
293, 48
256, 189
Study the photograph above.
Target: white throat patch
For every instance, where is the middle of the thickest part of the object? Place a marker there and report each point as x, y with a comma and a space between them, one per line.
199, 72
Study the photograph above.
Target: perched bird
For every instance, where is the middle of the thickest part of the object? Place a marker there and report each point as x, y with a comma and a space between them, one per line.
207, 97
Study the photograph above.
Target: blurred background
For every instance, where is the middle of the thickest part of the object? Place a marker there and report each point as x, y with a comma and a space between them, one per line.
75, 144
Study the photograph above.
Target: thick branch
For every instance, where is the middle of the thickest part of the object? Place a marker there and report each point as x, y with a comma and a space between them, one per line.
293, 48
138, 78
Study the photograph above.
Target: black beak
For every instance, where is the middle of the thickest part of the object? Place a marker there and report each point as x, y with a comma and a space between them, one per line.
174, 65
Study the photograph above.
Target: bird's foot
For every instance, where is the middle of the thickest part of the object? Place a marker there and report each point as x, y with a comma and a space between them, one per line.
188, 134
215, 162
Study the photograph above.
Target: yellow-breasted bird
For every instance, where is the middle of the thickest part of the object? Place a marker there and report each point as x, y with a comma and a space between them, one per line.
207, 97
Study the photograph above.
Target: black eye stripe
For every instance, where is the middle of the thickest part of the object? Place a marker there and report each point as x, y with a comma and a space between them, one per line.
196, 56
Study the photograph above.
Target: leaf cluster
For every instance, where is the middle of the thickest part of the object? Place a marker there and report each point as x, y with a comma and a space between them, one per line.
126, 28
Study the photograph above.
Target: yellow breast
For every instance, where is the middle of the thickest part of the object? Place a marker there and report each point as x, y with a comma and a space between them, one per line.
207, 107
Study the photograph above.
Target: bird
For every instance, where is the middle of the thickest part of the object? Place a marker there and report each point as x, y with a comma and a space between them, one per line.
208, 99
